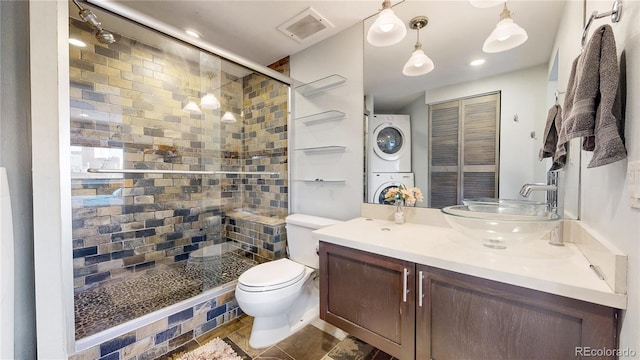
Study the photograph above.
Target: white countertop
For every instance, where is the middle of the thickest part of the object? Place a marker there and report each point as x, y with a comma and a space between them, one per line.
560, 270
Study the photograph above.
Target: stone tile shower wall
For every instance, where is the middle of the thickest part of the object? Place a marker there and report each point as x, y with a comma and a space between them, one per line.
258, 237
265, 145
129, 96
162, 336
258, 230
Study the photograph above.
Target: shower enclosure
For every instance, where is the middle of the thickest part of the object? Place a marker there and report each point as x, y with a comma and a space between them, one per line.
179, 172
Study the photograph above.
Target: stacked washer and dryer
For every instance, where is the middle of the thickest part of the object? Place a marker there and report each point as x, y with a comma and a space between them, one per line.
389, 155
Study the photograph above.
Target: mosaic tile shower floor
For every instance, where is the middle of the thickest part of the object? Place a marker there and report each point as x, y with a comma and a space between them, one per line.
103, 307
309, 343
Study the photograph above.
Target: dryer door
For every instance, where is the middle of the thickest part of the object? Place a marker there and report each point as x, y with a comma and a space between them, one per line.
388, 141
381, 192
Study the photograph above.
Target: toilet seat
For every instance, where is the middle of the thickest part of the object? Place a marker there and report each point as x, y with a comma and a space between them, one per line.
272, 275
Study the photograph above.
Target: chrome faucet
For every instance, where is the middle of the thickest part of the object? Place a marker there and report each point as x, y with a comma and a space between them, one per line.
527, 189
551, 188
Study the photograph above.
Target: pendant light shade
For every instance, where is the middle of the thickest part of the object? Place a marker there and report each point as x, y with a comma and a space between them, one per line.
419, 63
388, 29
507, 34
192, 108
210, 101
228, 117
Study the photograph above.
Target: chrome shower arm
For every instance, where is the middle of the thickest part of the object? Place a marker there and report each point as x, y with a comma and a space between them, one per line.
91, 19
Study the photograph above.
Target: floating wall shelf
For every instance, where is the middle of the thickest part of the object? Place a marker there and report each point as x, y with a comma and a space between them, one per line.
324, 84
333, 148
330, 115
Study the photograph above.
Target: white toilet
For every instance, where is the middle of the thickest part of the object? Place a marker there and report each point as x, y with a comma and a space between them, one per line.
282, 295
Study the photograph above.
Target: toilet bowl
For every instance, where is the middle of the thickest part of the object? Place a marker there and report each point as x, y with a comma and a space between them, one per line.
282, 295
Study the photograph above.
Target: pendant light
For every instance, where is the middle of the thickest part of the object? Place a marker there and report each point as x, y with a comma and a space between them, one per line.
192, 108
209, 100
419, 63
228, 117
507, 34
388, 29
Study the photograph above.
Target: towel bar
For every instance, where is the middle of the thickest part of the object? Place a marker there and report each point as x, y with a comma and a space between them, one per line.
616, 13
185, 172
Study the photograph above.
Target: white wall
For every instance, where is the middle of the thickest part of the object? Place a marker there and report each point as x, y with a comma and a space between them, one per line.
341, 54
523, 93
15, 155
419, 145
604, 196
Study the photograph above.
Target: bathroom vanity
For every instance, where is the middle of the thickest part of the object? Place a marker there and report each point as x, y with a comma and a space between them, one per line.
424, 292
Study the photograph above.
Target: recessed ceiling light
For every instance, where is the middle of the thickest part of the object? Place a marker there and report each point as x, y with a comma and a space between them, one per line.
76, 42
477, 62
193, 33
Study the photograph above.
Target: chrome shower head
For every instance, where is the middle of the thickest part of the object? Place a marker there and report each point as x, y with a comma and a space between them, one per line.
105, 37
102, 35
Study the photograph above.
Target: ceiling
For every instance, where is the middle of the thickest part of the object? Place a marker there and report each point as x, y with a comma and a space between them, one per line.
453, 37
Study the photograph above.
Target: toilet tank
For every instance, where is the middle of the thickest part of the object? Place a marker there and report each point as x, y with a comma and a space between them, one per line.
302, 246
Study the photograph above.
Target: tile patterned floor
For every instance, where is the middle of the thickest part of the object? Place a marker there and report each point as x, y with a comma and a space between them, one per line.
309, 343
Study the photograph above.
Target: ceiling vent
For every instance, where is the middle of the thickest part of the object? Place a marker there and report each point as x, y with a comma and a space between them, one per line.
306, 25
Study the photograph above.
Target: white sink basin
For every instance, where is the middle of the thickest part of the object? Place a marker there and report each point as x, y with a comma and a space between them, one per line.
498, 226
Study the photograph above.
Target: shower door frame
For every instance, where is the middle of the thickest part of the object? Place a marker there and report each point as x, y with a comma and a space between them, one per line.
49, 34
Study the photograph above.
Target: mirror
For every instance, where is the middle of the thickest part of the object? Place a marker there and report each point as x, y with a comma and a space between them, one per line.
525, 78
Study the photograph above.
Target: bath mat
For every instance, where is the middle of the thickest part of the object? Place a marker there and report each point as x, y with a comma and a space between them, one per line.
215, 349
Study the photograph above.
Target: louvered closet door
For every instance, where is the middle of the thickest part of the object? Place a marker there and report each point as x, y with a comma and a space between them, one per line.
480, 116
444, 124
464, 149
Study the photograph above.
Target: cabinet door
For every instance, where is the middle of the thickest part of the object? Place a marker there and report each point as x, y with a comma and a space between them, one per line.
369, 296
463, 317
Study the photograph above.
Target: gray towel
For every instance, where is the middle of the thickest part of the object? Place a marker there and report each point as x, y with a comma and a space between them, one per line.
561, 151
550, 139
595, 112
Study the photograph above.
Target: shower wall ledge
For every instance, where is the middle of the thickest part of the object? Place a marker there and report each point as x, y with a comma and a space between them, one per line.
254, 217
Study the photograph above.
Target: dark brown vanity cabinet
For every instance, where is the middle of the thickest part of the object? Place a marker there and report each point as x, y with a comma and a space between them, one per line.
369, 296
465, 317
413, 311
